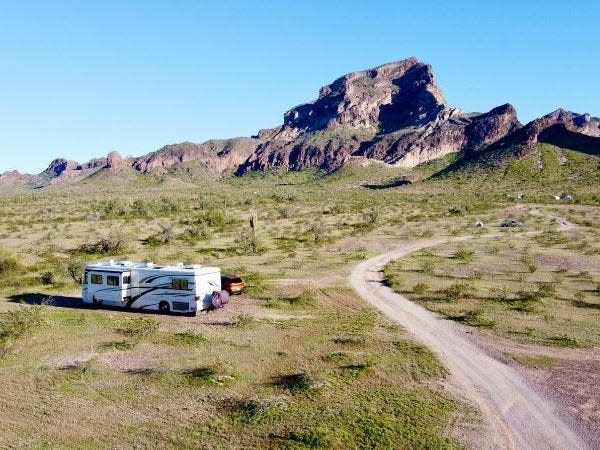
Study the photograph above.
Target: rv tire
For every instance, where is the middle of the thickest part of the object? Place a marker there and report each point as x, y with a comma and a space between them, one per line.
164, 307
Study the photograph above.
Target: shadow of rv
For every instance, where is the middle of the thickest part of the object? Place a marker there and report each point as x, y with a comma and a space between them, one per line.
63, 301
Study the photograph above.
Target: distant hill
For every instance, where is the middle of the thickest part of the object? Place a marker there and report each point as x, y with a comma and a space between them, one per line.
394, 113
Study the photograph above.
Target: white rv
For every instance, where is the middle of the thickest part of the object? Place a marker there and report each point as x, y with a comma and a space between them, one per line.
176, 288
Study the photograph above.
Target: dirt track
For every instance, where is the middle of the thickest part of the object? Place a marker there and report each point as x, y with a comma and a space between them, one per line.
516, 415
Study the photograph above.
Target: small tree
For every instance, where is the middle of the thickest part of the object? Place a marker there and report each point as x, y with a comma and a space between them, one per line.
75, 269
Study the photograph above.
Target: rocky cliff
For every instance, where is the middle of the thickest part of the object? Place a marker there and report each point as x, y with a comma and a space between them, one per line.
395, 113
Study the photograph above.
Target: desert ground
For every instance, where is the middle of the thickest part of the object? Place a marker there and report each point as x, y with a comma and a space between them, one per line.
300, 359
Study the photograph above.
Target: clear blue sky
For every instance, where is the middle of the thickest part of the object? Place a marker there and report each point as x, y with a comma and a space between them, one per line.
82, 78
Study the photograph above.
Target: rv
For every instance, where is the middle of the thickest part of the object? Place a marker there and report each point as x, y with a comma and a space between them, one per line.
166, 288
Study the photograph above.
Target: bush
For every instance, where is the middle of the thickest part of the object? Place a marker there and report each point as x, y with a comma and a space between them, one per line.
168, 205
244, 320
464, 255
308, 297
317, 230
116, 242
261, 408
370, 216
9, 261
246, 240
317, 438
456, 291
284, 212
48, 277
302, 382
17, 323
164, 236
546, 289
141, 208
474, 318
214, 217
197, 232
420, 288
189, 338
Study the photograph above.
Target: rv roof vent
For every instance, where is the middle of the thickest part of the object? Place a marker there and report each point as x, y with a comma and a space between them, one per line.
124, 263
111, 262
193, 266
179, 264
149, 264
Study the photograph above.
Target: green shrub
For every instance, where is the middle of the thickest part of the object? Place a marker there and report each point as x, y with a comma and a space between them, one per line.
215, 373
247, 241
546, 290
164, 236
318, 231
420, 288
17, 323
138, 326
456, 291
9, 261
474, 318
308, 297
189, 338
115, 243
370, 216
48, 277
302, 382
317, 438
245, 320
261, 408
284, 212
199, 232
215, 217
464, 255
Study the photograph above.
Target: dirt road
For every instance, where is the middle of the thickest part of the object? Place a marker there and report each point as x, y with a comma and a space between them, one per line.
516, 416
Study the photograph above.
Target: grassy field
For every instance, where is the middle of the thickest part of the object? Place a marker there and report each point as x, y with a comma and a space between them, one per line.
317, 370
298, 361
532, 288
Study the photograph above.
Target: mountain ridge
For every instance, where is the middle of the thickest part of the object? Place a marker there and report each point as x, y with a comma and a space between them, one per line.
394, 113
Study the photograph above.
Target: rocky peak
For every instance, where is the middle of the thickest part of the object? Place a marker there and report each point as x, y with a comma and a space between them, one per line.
58, 166
386, 98
114, 160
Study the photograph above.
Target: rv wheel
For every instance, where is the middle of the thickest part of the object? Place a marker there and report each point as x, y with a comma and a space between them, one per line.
95, 302
164, 307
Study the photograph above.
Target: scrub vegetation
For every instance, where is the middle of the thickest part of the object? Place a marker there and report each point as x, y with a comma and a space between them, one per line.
297, 361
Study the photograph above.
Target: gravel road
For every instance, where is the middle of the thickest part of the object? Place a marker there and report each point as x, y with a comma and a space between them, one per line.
516, 415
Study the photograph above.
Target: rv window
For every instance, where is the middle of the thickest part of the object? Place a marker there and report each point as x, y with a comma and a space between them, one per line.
126, 279
96, 279
180, 284
84, 277
112, 280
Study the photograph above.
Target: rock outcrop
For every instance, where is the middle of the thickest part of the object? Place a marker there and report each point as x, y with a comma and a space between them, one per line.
59, 167
216, 156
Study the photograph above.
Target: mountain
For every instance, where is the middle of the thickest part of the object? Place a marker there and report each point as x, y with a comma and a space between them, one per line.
560, 128
394, 113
